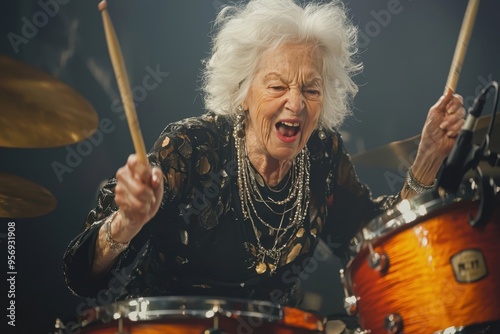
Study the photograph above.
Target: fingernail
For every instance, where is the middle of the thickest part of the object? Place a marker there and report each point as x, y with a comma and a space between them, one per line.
443, 125
450, 133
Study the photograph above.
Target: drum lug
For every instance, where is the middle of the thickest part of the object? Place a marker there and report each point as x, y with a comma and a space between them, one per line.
393, 323
350, 302
378, 261
351, 305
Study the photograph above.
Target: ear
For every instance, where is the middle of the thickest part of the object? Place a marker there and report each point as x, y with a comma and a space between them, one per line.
244, 104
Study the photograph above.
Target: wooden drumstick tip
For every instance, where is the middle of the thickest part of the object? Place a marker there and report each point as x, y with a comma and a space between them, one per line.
102, 5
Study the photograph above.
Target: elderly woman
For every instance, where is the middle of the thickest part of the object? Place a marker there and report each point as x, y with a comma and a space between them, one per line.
234, 199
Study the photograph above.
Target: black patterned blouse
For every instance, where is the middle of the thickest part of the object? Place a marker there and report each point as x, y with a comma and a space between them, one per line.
199, 244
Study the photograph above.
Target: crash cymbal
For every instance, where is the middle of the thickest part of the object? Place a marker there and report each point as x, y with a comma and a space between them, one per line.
37, 110
402, 152
20, 198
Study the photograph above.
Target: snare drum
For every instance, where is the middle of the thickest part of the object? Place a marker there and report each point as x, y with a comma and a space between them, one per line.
422, 268
196, 315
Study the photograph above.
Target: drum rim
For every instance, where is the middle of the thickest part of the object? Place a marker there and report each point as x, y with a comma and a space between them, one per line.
162, 307
410, 211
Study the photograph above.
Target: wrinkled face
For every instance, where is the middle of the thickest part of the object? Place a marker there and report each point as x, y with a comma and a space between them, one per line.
284, 100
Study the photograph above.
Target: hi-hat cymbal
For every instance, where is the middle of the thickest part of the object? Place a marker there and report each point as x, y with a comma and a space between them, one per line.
403, 152
37, 110
20, 198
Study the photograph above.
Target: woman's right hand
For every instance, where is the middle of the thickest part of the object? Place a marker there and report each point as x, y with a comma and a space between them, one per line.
138, 194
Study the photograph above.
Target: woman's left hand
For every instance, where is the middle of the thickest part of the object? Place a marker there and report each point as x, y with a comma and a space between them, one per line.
442, 126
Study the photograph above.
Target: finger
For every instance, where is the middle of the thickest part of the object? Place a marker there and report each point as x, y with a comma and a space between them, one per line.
144, 172
132, 161
443, 100
139, 170
455, 104
157, 177
454, 121
134, 187
158, 194
452, 108
456, 126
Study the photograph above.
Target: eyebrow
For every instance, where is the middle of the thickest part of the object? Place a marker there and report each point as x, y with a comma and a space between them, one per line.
313, 81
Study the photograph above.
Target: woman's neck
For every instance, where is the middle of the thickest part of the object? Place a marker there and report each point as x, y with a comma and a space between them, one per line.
272, 170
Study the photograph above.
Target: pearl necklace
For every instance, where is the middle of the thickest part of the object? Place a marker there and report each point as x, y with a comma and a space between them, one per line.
249, 193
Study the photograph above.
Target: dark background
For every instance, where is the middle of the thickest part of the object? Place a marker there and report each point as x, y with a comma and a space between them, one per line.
406, 57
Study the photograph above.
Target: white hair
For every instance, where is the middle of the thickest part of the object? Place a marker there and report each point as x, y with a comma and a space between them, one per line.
246, 31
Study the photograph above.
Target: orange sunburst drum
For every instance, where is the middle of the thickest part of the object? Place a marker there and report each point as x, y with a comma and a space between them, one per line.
422, 268
197, 315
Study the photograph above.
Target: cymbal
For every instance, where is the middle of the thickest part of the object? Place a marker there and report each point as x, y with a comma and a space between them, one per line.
403, 152
37, 110
20, 198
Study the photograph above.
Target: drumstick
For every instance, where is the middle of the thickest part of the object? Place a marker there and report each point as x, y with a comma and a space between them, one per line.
462, 43
115, 54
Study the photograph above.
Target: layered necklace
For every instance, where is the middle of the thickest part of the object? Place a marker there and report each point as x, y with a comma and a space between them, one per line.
295, 204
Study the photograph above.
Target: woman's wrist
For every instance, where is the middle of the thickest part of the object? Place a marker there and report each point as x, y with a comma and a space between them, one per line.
425, 169
115, 242
416, 186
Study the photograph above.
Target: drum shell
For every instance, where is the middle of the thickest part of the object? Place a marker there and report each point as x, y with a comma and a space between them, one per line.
420, 283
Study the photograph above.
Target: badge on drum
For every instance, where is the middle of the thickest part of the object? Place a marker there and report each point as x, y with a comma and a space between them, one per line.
469, 266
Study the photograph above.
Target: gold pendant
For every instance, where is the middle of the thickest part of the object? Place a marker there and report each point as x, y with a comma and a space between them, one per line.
272, 267
260, 268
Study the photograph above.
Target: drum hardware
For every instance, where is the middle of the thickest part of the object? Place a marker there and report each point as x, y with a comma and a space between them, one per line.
486, 188
350, 301
120, 326
393, 323
213, 331
378, 261
450, 330
351, 305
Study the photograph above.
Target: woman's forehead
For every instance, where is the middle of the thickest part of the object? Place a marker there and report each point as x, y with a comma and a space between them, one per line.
291, 60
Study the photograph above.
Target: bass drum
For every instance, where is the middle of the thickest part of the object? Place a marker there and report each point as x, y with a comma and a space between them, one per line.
422, 268
196, 315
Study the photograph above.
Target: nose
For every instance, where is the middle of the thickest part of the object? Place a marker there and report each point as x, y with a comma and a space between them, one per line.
295, 100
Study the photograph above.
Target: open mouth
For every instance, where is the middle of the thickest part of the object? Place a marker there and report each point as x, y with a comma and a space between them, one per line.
288, 130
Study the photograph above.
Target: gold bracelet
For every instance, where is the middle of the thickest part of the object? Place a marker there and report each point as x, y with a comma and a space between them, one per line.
416, 186
115, 246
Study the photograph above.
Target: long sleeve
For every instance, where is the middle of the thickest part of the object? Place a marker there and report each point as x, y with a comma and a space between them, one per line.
80, 253
350, 202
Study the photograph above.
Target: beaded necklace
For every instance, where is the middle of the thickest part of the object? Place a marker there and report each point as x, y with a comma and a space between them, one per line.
296, 204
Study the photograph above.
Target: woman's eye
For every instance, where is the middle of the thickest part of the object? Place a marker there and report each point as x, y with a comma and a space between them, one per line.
313, 92
278, 88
